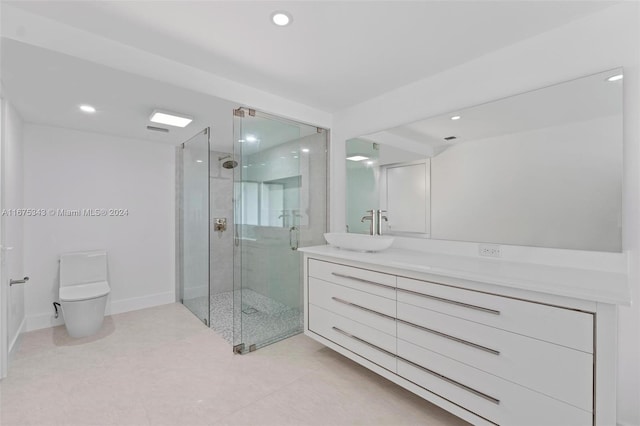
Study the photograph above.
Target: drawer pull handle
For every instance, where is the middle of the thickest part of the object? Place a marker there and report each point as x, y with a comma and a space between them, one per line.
362, 280
447, 336
345, 302
452, 302
453, 382
363, 341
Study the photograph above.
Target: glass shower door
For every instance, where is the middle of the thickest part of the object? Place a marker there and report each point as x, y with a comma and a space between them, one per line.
273, 201
194, 223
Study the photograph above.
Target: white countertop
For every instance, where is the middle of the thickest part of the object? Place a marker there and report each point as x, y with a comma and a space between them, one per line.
593, 285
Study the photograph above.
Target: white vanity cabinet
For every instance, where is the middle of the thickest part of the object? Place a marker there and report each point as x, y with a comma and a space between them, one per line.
508, 358
355, 308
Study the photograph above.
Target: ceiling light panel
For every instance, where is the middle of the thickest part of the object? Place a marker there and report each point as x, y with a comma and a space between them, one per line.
170, 118
357, 158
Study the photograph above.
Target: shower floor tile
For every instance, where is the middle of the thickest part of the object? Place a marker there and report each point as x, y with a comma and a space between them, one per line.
264, 320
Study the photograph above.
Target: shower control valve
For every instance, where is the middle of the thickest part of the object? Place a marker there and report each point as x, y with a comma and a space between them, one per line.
220, 224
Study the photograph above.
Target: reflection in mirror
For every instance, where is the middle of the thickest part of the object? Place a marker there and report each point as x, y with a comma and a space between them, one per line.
543, 169
381, 176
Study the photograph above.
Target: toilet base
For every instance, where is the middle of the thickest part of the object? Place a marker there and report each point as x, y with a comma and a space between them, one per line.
85, 317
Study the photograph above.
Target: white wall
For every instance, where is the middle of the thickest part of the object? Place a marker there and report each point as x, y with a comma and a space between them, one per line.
597, 42
13, 226
69, 169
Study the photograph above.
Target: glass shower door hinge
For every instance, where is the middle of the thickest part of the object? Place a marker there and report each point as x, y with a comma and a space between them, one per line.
239, 349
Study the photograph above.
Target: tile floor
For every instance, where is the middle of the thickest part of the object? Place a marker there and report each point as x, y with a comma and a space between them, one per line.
264, 320
162, 366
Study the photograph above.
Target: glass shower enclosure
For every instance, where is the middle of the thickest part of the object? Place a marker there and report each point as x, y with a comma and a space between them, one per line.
193, 244
280, 195
244, 211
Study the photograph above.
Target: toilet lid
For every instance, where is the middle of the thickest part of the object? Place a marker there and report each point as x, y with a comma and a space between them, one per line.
88, 291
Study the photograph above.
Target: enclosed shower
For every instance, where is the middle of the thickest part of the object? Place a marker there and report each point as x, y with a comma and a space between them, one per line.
242, 214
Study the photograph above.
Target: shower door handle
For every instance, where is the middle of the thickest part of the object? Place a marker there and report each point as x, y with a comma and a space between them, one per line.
292, 230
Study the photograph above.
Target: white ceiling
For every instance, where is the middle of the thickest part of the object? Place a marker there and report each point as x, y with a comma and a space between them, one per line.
47, 88
334, 55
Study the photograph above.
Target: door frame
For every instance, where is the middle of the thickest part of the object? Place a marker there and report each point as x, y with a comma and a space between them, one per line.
4, 293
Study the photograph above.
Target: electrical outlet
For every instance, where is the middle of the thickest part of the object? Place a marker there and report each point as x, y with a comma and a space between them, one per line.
489, 250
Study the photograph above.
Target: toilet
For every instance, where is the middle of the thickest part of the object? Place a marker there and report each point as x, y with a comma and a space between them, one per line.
83, 291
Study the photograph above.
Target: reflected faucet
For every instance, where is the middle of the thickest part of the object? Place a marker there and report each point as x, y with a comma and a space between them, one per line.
285, 218
381, 217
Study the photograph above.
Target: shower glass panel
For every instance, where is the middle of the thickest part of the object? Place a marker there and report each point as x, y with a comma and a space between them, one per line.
280, 201
194, 222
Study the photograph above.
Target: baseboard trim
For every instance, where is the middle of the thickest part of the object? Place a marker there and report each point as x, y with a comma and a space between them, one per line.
13, 346
47, 320
135, 303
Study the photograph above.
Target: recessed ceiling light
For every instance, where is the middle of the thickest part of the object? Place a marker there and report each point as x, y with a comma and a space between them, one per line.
305, 149
456, 117
615, 77
251, 138
87, 108
170, 118
241, 140
198, 161
357, 158
369, 163
281, 18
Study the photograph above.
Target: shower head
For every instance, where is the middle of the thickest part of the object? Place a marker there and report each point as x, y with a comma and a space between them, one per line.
229, 164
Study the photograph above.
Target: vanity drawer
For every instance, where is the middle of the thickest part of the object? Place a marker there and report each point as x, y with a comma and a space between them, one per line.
375, 311
486, 395
357, 278
552, 324
556, 371
369, 343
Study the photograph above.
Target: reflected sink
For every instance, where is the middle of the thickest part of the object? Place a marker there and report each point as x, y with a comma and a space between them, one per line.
358, 242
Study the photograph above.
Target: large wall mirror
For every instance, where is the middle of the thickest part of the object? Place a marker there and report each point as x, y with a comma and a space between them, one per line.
541, 169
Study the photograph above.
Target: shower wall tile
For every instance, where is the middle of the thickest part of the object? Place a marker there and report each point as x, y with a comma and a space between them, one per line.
221, 243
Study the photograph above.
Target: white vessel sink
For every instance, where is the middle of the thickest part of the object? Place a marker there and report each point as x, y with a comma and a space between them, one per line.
359, 242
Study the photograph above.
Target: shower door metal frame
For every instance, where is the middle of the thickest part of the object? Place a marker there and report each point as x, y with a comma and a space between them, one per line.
179, 223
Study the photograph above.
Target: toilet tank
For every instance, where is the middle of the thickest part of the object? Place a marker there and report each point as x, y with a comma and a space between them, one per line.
83, 267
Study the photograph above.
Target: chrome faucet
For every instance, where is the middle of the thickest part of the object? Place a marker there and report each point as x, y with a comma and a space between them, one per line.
373, 217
